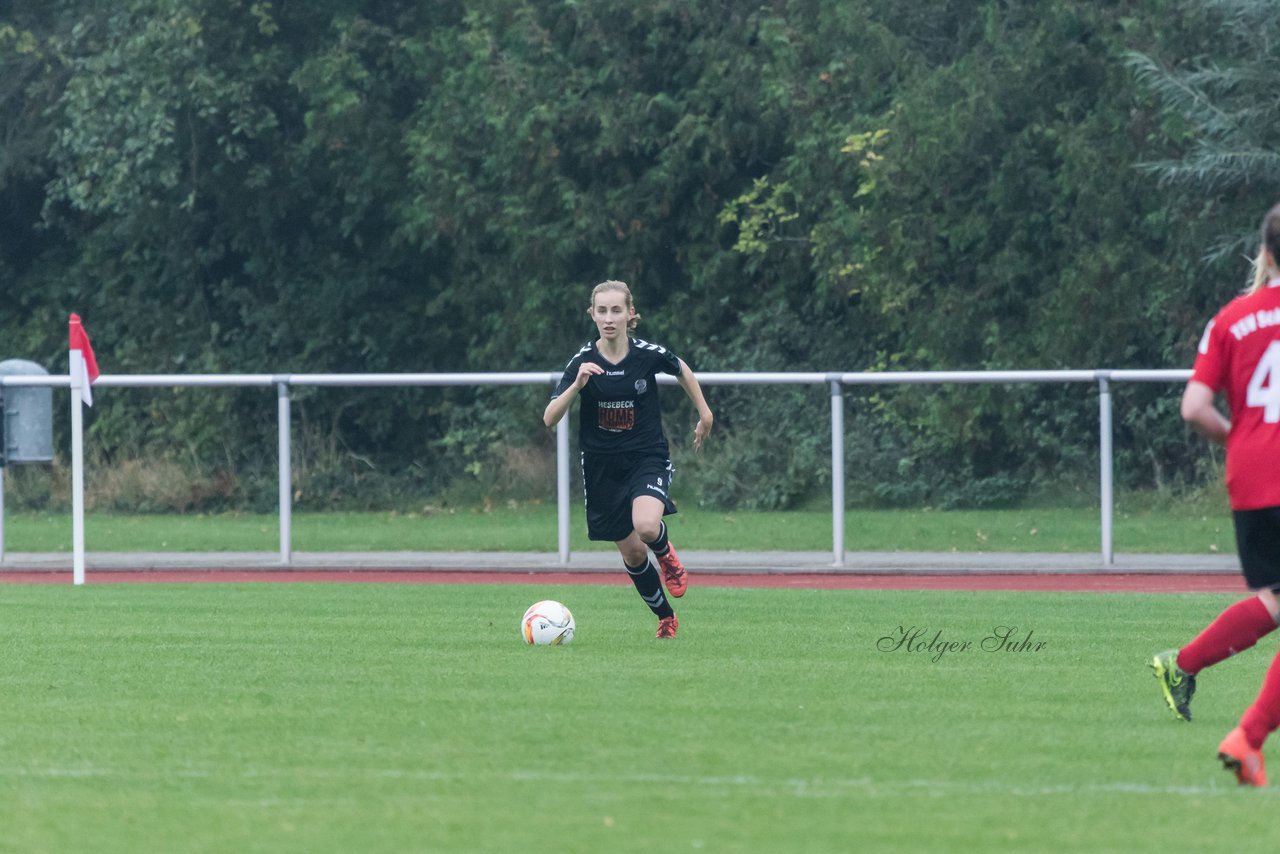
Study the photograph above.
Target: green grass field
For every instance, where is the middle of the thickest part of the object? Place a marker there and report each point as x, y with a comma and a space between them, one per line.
336, 717
1185, 530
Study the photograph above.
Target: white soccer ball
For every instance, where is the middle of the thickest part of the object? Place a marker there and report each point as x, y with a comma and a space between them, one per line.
547, 623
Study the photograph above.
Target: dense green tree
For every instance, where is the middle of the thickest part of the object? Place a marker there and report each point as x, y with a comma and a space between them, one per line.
795, 184
1222, 99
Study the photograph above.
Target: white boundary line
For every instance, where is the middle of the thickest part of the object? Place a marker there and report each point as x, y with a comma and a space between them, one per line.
797, 787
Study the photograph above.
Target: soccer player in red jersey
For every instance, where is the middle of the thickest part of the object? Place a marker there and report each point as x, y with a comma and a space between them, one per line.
626, 466
1239, 356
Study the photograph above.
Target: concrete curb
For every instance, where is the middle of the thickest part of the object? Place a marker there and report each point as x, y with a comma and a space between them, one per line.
906, 563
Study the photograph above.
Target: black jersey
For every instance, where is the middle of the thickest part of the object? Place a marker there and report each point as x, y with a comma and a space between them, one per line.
620, 412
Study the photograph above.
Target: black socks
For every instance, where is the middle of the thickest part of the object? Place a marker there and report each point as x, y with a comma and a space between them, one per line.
661, 545
649, 586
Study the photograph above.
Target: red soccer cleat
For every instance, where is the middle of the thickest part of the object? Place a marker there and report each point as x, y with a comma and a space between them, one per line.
1246, 761
673, 574
667, 627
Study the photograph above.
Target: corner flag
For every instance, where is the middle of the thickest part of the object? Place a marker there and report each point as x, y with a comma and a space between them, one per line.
88, 364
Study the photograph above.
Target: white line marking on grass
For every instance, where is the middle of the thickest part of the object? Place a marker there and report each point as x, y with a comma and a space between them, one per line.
798, 787
54, 772
832, 787
272, 803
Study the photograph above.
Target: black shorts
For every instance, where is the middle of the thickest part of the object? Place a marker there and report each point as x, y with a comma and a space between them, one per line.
612, 481
1258, 542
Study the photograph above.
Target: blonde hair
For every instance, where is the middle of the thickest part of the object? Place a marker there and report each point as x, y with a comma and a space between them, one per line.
1264, 266
620, 287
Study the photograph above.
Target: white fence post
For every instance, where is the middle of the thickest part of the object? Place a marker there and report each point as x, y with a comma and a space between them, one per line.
562, 488
77, 470
837, 468
1105, 463
284, 416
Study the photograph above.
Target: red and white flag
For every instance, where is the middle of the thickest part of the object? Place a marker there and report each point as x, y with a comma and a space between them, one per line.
88, 364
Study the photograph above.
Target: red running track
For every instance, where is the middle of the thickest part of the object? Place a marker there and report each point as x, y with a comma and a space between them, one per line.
1047, 582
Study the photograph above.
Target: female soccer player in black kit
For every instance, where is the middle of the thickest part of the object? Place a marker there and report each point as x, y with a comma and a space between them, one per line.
626, 466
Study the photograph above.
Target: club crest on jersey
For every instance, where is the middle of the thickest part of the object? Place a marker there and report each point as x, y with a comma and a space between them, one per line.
641, 386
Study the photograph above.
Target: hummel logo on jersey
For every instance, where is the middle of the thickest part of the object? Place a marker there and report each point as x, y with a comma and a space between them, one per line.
615, 373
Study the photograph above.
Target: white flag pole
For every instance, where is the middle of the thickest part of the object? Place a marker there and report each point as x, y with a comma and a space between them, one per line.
78, 379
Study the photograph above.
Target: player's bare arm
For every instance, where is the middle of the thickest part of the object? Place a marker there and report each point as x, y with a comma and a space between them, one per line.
689, 383
1198, 411
560, 405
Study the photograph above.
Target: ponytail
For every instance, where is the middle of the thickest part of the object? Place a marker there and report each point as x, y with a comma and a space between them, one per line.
1263, 272
1264, 266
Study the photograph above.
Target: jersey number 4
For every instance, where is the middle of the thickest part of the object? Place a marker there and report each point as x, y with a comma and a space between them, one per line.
1264, 385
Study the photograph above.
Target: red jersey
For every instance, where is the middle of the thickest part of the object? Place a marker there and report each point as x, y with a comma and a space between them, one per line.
1240, 356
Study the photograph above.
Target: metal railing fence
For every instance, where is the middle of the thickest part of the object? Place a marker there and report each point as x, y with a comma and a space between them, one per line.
835, 381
